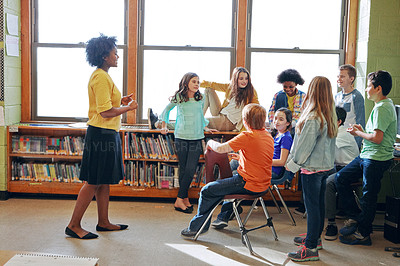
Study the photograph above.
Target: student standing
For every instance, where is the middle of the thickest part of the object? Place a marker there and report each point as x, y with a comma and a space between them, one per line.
350, 99
375, 158
102, 163
254, 170
227, 116
313, 152
189, 131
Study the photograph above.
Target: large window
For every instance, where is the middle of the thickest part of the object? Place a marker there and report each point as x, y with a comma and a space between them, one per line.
60, 72
305, 35
167, 39
180, 36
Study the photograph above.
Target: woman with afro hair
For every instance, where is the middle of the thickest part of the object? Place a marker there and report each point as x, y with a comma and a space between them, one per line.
290, 97
102, 163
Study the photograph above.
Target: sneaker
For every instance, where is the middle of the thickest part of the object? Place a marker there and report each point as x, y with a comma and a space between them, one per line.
304, 254
356, 239
331, 232
187, 233
151, 118
301, 240
350, 226
219, 224
300, 210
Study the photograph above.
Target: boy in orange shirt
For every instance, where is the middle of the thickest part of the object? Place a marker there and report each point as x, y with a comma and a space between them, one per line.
256, 148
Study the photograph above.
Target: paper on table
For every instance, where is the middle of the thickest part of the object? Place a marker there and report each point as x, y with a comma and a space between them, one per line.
50, 259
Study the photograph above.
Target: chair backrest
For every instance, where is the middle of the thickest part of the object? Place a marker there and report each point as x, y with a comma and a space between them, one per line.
213, 158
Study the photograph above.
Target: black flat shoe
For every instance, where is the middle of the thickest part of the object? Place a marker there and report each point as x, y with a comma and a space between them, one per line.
121, 227
187, 210
71, 233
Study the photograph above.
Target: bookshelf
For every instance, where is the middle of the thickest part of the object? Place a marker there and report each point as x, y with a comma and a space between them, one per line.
54, 153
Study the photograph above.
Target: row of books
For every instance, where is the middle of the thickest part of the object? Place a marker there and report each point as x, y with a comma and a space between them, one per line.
45, 172
67, 145
149, 146
158, 175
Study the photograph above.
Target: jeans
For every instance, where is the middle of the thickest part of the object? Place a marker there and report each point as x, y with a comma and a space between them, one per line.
372, 172
279, 179
234, 166
188, 152
212, 194
314, 186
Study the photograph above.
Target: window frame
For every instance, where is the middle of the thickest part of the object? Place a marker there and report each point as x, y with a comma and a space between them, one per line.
142, 48
340, 51
35, 45
132, 15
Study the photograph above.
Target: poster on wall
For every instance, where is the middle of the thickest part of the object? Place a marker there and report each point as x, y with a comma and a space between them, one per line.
12, 24
12, 45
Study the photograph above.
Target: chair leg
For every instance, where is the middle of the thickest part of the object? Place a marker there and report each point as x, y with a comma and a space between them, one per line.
205, 222
250, 211
284, 205
243, 231
269, 218
274, 200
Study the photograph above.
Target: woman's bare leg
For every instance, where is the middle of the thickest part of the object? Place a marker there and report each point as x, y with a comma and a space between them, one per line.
103, 200
85, 196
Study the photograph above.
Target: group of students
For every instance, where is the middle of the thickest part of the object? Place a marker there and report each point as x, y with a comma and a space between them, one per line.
312, 153
260, 156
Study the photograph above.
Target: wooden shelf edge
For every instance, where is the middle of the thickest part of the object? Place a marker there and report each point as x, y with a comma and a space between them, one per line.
118, 190
46, 156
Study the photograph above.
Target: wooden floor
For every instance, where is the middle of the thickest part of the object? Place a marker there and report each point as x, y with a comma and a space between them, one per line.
153, 237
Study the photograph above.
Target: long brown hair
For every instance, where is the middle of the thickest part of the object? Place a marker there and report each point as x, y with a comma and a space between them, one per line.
242, 96
183, 90
319, 100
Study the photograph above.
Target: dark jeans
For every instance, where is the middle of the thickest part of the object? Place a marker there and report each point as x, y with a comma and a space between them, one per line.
372, 172
188, 152
314, 186
212, 194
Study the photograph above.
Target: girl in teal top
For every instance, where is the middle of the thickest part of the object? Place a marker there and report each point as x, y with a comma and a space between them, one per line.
189, 131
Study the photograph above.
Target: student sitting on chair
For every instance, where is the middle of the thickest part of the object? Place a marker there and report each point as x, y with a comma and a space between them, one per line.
282, 144
254, 171
346, 150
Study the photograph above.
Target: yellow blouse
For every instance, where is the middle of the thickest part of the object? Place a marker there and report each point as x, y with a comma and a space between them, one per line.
103, 95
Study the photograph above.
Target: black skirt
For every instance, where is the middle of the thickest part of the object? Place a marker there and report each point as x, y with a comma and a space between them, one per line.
102, 157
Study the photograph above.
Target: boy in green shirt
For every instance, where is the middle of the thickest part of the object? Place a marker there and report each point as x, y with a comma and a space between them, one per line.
375, 158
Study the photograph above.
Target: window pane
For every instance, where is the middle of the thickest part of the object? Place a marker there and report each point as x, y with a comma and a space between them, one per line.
163, 70
307, 24
75, 21
62, 87
188, 22
265, 67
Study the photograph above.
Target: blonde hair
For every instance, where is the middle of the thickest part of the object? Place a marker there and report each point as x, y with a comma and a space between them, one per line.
319, 100
254, 115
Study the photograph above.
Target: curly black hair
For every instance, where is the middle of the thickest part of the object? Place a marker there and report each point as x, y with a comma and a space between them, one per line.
290, 75
99, 47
